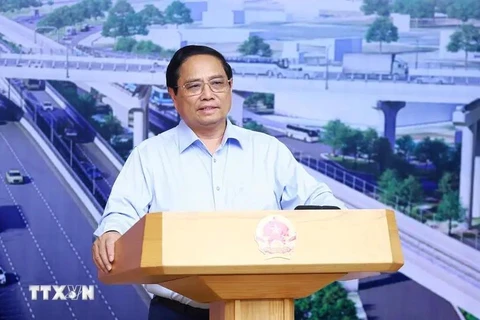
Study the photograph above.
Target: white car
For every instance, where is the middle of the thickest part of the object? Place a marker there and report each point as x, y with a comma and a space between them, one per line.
3, 277
14, 177
47, 105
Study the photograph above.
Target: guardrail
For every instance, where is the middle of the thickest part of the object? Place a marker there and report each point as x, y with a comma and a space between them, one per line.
85, 127
32, 119
469, 238
83, 50
81, 121
65, 151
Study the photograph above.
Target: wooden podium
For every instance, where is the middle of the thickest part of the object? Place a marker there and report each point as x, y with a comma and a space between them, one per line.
252, 265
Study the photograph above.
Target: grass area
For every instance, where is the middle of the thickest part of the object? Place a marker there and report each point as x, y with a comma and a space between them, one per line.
360, 165
370, 167
93, 22
46, 9
476, 221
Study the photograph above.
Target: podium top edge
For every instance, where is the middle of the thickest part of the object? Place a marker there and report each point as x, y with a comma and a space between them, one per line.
268, 212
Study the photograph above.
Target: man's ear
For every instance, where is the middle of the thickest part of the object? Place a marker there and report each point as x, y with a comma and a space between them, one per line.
172, 94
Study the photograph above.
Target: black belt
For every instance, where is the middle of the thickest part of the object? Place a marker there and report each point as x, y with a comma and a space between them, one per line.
181, 308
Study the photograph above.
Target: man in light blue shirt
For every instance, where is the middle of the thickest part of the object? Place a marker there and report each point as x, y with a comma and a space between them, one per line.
204, 164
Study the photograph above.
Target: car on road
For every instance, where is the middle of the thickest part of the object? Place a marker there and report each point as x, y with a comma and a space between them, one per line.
3, 277
47, 106
91, 170
431, 80
14, 177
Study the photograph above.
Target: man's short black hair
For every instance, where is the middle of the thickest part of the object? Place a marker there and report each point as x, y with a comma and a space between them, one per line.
173, 69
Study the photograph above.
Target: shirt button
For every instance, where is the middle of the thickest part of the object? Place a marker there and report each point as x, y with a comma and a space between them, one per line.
214, 160
218, 188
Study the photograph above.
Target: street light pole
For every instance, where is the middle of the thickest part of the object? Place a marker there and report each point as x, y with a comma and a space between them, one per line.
51, 131
68, 75
46, 28
71, 152
416, 53
327, 49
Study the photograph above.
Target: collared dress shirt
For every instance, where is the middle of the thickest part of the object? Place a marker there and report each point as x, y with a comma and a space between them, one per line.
174, 171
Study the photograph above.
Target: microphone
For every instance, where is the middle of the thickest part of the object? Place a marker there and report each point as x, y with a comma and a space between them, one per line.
314, 207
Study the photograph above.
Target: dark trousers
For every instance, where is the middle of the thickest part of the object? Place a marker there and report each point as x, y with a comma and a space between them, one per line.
166, 309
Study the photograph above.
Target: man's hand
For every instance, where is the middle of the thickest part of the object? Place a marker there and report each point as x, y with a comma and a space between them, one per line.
103, 250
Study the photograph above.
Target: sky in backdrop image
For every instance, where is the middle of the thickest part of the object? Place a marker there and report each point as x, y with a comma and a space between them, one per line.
380, 99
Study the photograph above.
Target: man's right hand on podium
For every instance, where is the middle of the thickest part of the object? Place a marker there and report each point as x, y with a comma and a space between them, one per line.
103, 250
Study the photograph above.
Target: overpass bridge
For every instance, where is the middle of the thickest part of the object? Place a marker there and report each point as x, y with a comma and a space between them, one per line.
143, 72
434, 260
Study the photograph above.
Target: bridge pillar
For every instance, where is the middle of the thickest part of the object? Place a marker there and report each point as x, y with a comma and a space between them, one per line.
466, 167
236, 112
138, 123
476, 175
467, 118
138, 128
390, 110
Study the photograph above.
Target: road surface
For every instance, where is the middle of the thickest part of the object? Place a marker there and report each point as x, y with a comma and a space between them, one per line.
396, 297
46, 237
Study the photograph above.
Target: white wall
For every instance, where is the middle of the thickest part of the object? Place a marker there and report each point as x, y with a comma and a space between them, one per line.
252, 16
236, 113
401, 21
328, 106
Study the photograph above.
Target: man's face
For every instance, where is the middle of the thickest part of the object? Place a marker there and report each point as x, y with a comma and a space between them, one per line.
207, 107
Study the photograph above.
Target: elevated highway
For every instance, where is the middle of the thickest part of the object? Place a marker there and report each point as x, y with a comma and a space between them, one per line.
443, 265
358, 90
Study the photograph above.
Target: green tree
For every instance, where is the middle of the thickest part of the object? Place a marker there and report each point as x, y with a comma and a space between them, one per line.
152, 15
61, 17
122, 21
105, 5
69, 15
255, 45
463, 10
382, 30
252, 101
450, 208
14, 5
111, 127
380, 7
335, 135
417, 9
410, 192
389, 186
177, 13
329, 303
255, 126
353, 144
93, 9
466, 39
382, 153
85, 104
146, 46
367, 147
406, 146
125, 44
434, 150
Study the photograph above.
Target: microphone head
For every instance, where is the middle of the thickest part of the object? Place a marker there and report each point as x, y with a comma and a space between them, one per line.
314, 207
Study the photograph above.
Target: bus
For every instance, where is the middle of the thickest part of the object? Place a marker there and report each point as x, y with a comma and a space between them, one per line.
161, 98
34, 84
302, 133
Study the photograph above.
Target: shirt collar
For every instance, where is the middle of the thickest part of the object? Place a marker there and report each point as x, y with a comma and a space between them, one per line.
186, 136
